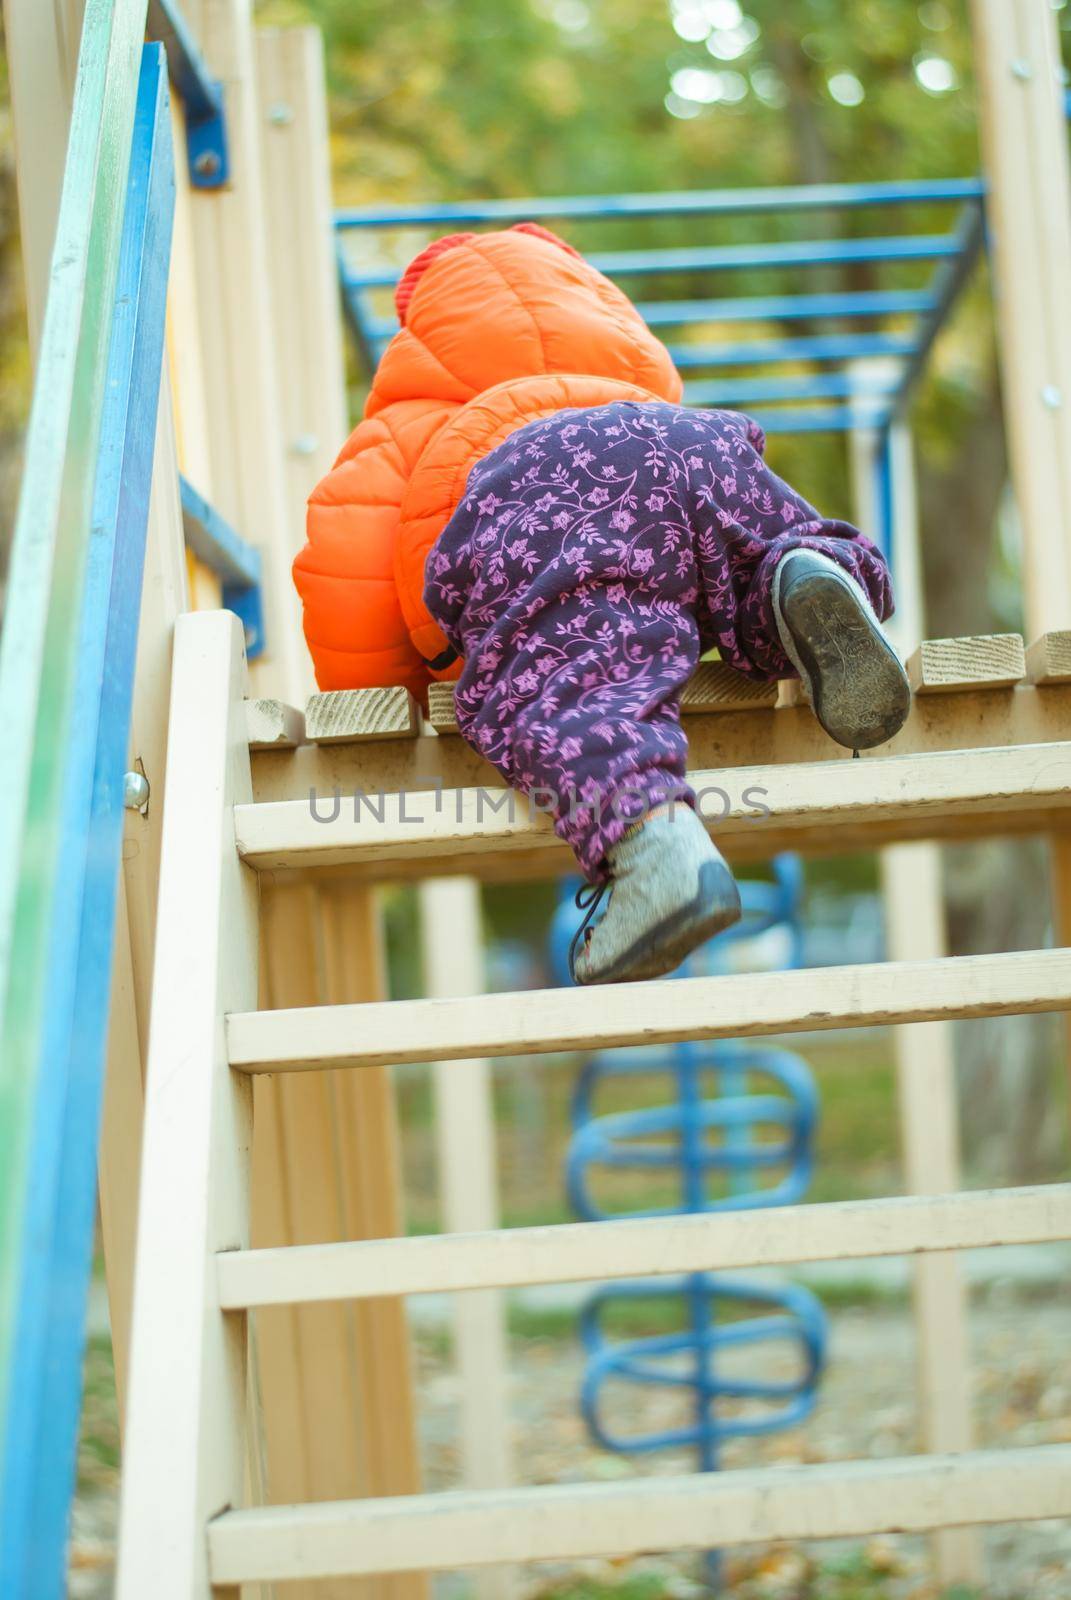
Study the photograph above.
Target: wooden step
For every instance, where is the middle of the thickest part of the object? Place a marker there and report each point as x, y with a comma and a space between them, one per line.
570, 1521
712, 689
349, 716
581, 1252
938, 666
954, 666
748, 1005
1048, 659
757, 809
273, 725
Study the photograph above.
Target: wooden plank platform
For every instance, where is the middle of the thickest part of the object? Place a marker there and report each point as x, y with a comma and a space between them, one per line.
948, 666
581, 1252
570, 1521
1048, 660
963, 720
747, 1005
348, 716
758, 808
713, 688
273, 725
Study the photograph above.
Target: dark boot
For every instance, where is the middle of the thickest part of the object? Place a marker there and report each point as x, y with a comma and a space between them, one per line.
851, 673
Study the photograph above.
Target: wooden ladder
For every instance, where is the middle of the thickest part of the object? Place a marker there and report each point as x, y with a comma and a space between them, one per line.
983, 752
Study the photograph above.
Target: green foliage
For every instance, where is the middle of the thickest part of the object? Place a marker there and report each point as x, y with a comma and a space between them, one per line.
455, 99
98, 1447
438, 100
641, 1586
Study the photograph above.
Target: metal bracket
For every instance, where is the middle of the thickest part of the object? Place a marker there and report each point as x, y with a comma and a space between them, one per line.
236, 563
201, 95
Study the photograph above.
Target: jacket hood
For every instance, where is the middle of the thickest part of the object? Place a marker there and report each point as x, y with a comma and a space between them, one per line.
482, 309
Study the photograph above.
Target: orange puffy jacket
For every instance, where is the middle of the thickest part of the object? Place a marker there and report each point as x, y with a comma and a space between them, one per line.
497, 330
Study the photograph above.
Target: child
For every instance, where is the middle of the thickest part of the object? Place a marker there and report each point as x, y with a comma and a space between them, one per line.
527, 501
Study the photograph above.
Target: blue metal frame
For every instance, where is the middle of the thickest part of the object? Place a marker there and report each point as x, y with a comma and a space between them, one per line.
797, 403
620, 1141
40, 1441
734, 257
202, 95
236, 562
651, 1360
695, 202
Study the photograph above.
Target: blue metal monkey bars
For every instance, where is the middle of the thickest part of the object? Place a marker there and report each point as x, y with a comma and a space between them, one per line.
926, 305
823, 389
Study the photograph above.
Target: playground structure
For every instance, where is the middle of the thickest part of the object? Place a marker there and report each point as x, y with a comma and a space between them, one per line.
261, 1345
735, 1132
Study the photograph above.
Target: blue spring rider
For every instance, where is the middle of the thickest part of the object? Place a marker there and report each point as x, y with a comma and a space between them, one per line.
738, 1134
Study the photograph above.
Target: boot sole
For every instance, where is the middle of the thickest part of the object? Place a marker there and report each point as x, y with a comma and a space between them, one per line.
852, 675
661, 949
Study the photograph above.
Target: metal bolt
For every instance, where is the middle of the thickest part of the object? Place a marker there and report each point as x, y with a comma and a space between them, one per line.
281, 114
1052, 397
1022, 70
304, 444
135, 791
207, 164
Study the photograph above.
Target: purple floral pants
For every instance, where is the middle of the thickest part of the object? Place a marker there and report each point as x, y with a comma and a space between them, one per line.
594, 557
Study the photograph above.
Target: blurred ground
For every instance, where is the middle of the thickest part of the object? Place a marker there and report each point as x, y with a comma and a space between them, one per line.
1022, 1389
1021, 1302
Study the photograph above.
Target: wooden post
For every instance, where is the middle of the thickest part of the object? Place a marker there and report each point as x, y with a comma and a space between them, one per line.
925, 1059
239, 348
1024, 143
301, 256
337, 1380
185, 1455
163, 599
468, 1189
1024, 146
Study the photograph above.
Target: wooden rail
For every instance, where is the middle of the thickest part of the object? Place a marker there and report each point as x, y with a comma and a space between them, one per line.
570, 1521
586, 1251
750, 806
745, 1006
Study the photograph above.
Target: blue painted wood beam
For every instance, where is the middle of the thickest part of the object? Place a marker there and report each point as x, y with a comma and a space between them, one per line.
41, 1434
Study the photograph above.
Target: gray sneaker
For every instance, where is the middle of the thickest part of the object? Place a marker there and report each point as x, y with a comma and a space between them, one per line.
851, 673
671, 890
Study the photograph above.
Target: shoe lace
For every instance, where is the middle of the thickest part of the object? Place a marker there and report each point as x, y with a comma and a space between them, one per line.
588, 900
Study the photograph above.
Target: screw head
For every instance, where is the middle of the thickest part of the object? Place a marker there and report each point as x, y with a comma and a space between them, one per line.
280, 114
207, 164
1052, 397
135, 791
304, 444
1022, 70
